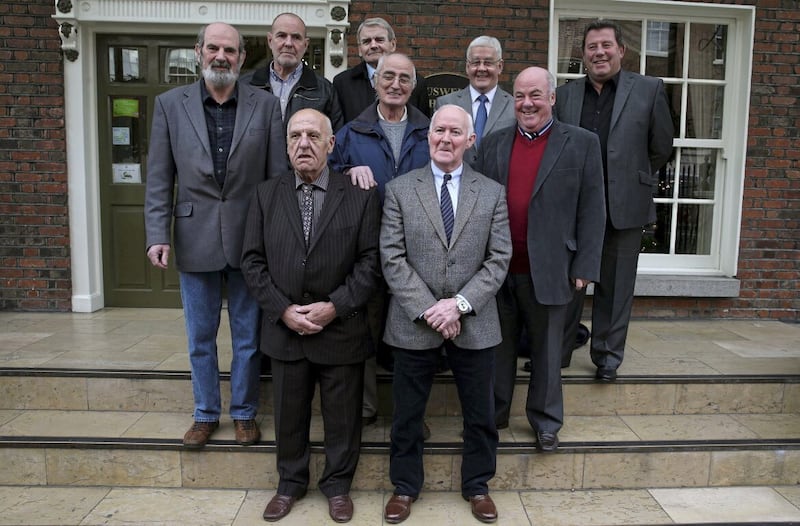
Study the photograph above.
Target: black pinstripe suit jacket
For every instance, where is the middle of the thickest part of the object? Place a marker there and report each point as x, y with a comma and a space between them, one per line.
341, 266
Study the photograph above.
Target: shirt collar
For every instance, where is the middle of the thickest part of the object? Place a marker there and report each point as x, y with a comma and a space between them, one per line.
439, 173
206, 96
403, 118
533, 135
294, 75
474, 94
321, 182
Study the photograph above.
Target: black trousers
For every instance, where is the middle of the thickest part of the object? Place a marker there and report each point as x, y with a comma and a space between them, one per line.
341, 388
473, 371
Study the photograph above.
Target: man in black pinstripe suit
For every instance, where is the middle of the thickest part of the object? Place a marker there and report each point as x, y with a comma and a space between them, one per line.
311, 260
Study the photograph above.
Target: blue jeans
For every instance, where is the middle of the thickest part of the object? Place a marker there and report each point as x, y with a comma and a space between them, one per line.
201, 293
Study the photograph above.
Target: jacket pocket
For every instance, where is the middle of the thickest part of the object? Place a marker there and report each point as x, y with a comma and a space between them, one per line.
182, 210
648, 178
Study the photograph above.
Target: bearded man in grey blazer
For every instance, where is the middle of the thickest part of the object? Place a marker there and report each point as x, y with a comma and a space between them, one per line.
630, 115
445, 249
210, 144
491, 107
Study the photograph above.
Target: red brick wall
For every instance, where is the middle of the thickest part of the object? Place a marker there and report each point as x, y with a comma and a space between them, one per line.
34, 237
34, 231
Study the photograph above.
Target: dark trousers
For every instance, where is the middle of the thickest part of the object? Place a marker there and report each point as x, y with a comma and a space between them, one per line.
473, 371
613, 297
518, 308
341, 387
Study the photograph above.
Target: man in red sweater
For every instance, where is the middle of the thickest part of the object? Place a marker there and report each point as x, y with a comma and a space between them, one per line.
553, 173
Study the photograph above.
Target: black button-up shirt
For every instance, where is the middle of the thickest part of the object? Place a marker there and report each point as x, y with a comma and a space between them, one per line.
596, 113
220, 120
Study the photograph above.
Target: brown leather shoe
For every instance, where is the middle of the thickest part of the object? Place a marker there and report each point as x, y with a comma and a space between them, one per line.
199, 433
340, 508
279, 507
398, 508
247, 432
483, 508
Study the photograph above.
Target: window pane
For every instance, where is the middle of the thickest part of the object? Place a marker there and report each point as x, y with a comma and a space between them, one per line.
694, 229
669, 61
666, 181
632, 36
126, 64
570, 37
179, 66
674, 97
704, 112
655, 237
707, 52
697, 173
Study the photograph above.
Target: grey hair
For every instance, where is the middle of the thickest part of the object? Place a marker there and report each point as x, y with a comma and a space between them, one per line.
375, 21
413, 69
486, 41
470, 127
201, 37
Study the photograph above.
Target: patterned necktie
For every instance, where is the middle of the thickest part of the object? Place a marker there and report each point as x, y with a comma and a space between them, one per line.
307, 211
447, 208
480, 118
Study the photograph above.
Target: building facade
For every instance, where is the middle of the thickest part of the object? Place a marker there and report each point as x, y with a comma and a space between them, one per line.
77, 80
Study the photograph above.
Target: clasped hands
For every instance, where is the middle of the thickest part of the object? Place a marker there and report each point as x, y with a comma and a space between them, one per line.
444, 318
308, 319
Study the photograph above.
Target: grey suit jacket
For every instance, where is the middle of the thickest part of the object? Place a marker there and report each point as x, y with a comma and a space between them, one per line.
639, 143
340, 266
182, 193
420, 268
566, 213
501, 113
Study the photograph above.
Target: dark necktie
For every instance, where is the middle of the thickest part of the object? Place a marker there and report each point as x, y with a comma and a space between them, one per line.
480, 118
307, 211
447, 208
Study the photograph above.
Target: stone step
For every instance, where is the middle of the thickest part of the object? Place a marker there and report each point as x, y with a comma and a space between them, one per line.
38, 388
143, 449
646, 506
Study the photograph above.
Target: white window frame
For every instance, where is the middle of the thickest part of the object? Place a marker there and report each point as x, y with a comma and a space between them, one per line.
733, 143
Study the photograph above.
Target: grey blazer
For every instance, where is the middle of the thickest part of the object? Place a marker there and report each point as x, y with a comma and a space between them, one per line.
420, 268
181, 192
566, 213
639, 143
501, 114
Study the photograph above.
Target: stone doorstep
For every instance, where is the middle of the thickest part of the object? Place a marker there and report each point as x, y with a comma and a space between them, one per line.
126, 391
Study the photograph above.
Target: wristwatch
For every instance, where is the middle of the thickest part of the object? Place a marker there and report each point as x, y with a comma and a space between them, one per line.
462, 305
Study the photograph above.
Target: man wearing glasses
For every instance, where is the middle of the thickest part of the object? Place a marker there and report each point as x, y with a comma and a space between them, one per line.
491, 107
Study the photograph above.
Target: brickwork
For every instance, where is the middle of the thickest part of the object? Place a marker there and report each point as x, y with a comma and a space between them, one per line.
34, 236
34, 230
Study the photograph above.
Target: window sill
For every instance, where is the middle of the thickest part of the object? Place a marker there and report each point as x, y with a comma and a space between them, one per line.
684, 286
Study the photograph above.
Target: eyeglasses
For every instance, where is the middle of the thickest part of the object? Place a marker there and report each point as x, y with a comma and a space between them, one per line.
485, 63
389, 77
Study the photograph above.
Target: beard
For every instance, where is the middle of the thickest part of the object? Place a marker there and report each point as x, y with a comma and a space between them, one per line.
220, 79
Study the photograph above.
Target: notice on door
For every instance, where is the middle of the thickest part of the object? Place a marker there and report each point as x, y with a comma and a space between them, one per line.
127, 173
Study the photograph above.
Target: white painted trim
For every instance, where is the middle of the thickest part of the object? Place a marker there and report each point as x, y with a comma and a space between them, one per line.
89, 18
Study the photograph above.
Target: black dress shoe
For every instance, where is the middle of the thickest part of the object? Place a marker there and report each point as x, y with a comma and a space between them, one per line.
606, 374
368, 420
546, 441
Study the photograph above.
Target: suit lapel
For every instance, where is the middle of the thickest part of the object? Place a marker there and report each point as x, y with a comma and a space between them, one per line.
624, 89
498, 106
333, 198
193, 105
426, 193
467, 197
245, 109
288, 200
575, 102
555, 144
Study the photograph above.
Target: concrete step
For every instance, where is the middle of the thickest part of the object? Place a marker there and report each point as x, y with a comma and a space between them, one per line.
37, 388
646, 506
143, 448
